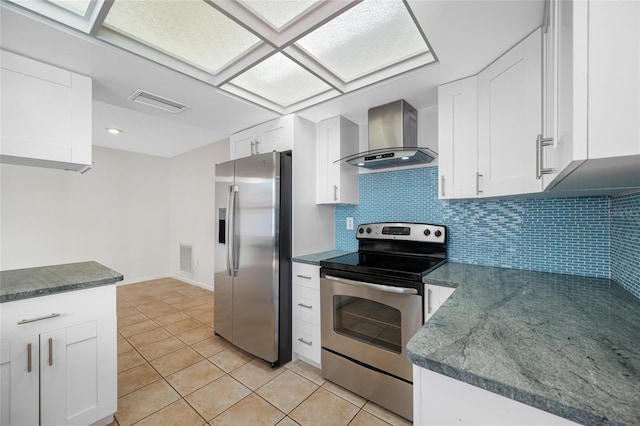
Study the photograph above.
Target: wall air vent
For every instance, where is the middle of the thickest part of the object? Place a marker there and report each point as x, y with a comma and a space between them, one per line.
157, 101
186, 259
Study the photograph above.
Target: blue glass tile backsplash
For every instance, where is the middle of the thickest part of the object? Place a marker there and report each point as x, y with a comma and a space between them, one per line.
564, 235
625, 242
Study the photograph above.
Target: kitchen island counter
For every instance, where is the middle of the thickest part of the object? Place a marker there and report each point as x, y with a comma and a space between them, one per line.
567, 345
18, 284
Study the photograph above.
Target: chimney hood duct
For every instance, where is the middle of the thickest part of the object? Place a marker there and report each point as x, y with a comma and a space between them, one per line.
393, 139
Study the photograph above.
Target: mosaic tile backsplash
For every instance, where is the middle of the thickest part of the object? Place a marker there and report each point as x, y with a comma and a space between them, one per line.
625, 242
562, 235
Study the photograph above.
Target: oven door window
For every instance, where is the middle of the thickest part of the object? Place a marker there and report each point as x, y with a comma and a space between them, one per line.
369, 322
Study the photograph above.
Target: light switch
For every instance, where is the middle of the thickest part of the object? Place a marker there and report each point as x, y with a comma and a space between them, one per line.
349, 223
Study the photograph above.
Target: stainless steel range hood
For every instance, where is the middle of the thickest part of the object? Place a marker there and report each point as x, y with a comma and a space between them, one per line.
393, 139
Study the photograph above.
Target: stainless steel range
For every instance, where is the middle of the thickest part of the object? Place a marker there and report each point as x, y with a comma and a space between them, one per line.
372, 303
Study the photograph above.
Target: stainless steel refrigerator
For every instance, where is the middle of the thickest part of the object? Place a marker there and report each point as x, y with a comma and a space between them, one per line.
252, 283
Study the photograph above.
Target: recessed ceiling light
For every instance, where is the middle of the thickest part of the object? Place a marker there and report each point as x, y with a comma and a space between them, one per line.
113, 130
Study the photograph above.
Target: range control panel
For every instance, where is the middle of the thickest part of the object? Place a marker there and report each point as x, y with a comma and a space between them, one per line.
422, 232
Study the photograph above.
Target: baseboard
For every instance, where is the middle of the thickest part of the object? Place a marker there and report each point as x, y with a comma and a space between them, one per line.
141, 279
158, 277
192, 282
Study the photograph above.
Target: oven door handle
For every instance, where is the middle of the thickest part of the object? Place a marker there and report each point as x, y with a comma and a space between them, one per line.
380, 287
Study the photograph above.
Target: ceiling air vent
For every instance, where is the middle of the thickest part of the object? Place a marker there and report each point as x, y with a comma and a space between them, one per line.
157, 101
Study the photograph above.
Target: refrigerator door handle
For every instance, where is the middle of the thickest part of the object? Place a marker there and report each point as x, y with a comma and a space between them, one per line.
231, 246
231, 231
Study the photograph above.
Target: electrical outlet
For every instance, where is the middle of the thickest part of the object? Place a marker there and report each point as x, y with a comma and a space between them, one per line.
349, 223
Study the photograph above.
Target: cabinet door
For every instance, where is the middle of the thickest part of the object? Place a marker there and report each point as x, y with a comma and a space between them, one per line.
458, 139
275, 135
614, 79
19, 377
337, 137
78, 373
509, 120
242, 144
46, 112
565, 90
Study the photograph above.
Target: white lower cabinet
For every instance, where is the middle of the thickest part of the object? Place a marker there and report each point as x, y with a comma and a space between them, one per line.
434, 297
306, 313
441, 400
62, 369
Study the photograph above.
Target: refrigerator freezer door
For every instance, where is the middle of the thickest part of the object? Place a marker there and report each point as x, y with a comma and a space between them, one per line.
255, 287
223, 280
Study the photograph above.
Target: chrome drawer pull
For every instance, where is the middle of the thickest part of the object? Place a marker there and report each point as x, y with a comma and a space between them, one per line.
302, 305
301, 340
303, 276
25, 321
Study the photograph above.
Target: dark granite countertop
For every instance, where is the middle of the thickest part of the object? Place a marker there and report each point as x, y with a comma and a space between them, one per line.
26, 283
315, 258
565, 344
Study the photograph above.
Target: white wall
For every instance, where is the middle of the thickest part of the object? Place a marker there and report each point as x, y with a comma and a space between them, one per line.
116, 214
192, 215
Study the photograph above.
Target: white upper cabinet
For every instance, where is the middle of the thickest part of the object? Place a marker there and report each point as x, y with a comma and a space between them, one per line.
46, 115
509, 120
337, 138
274, 135
458, 138
597, 96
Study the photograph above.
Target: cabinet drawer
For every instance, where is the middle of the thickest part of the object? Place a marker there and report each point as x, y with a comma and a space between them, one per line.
306, 304
306, 340
74, 307
306, 275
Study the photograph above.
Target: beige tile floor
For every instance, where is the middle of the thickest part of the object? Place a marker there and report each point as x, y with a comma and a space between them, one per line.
173, 370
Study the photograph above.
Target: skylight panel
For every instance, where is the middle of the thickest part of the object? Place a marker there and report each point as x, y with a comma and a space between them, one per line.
366, 38
279, 13
280, 80
191, 31
79, 7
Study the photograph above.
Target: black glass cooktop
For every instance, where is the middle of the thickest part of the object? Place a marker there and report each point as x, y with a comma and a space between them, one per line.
412, 268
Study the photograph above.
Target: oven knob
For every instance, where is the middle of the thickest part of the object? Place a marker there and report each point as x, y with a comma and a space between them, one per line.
426, 232
437, 233
360, 230
368, 230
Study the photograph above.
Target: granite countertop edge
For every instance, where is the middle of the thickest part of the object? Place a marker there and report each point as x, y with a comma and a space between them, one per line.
60, 289
27, 283
436, 360
316, 258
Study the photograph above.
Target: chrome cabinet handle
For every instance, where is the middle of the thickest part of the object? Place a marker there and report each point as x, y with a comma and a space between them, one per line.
303, 276
442, 185
26, 321
29, 358
257, 145
335, 192
380, 287
301, 340
253, 145
428, 300
540, 144
478, 176
305, 306
50, 351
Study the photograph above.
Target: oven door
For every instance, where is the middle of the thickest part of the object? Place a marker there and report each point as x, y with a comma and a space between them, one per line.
369, 322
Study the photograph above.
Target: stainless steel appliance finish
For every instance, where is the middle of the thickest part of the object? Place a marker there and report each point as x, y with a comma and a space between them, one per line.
371, 304
253, 255
393, 139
